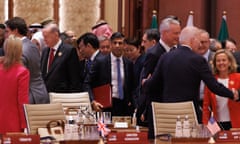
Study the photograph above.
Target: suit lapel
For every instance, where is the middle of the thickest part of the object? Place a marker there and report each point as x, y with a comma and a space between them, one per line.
44, 61
57, 58
125, 66
109, 68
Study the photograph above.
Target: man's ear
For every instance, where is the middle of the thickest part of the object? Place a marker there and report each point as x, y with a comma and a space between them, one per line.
154, 42
15, 31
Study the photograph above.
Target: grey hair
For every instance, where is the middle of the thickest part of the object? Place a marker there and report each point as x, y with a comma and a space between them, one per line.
165, 24
202, 31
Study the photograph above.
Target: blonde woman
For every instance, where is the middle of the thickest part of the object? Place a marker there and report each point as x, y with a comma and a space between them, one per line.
225, 110
14, 81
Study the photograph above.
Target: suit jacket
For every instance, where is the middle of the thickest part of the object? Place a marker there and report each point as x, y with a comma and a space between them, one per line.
210, 101
237, 57
137, 68
1, 51
101, 74
88, 73
31, 58
14, 93
178, 75
152, 56
64, 73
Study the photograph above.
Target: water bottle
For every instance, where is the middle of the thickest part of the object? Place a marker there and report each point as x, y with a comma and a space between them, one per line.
178, 130
186, 127
134, 119
194, 130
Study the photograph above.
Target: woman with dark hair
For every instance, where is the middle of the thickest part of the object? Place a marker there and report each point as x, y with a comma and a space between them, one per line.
135, 53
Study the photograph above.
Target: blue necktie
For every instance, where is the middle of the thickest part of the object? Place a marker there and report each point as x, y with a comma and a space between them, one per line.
89, 65
119, 79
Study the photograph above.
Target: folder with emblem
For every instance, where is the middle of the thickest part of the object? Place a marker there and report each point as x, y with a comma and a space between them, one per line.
103, 95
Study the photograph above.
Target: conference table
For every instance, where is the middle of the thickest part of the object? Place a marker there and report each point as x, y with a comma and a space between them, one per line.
143, 138
171, 140
156, 141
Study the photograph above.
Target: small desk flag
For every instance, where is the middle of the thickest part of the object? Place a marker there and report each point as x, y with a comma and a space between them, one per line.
212, 125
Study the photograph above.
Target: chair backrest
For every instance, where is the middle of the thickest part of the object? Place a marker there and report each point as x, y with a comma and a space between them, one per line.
71, 100
165, 115
38, 115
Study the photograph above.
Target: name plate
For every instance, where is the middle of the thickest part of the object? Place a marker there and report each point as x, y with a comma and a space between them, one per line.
228, 136
127, 137
120, 125
21, 139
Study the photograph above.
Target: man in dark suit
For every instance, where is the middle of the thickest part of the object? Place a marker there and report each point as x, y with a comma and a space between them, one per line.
31, 59
178, 73
106, 72
59, 63
169, 30
204, 50
150, 38
88, 46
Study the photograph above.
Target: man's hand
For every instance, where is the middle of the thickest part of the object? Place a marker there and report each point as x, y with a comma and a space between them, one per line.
97, 106
142, 117
143, 80
235, 94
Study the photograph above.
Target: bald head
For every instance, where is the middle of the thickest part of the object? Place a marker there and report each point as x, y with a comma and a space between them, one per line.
190, 36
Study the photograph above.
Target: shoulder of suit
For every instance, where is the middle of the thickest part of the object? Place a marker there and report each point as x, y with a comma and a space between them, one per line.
156, 50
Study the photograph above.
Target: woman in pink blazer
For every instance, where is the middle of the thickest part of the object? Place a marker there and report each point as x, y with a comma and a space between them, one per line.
14, 86
225, 110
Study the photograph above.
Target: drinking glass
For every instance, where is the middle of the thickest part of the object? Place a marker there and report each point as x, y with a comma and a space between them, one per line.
107, 117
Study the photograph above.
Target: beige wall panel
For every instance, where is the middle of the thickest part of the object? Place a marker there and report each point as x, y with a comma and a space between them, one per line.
2, 11
111, 13
79, 15
33, 10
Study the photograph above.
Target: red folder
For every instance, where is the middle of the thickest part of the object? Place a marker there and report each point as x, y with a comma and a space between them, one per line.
103, 95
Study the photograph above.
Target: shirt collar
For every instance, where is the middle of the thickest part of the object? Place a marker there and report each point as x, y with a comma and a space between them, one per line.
206, 54
56, 46
114, 58
94, 55
24, 37
166, 47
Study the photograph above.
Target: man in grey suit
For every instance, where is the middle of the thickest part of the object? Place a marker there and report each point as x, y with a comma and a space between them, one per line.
31, 59
204, 50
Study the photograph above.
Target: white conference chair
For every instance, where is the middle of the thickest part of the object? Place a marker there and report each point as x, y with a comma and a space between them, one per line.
165, 115
38, 115
71, 100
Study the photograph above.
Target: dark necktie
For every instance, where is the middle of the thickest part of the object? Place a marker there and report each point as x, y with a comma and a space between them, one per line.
51, 57
89, 64
119, 79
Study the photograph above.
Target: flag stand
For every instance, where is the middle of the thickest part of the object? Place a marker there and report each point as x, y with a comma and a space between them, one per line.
190, 19
154, 24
